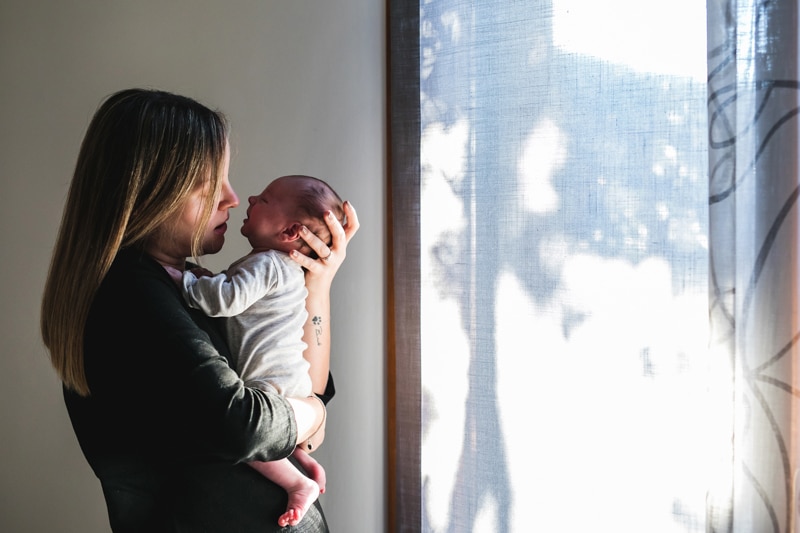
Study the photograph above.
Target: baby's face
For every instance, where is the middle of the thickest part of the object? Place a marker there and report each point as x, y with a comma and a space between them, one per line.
268, 217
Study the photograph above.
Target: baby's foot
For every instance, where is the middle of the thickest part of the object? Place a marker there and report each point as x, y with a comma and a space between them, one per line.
312, 468
301, 497
316, 471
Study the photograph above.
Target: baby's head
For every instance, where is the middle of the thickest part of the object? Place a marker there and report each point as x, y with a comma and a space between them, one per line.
275, 216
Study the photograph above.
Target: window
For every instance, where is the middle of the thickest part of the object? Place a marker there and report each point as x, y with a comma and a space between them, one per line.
552, 243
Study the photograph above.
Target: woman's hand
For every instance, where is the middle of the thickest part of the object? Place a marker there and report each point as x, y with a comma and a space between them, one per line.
320, 272
319, 276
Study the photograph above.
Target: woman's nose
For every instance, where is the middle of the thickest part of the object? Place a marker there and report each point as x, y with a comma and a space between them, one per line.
251, 200
229, 198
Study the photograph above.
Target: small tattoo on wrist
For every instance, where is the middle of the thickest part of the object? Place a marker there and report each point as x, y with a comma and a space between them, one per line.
317, 321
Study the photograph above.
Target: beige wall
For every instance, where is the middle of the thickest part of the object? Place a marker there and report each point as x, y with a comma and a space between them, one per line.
303, 85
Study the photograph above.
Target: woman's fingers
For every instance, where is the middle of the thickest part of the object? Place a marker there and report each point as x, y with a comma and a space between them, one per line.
351, 227
316, 244
330, 258
303, 260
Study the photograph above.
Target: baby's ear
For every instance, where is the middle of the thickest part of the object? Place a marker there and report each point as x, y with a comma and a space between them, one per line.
291, 233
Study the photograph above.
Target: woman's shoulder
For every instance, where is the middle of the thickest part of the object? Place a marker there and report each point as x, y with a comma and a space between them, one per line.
136, 280
130, 266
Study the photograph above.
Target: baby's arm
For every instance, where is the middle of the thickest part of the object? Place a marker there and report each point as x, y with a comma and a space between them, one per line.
229, 293
201, 272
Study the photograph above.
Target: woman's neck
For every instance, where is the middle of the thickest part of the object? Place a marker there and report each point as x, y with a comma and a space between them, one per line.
167, 260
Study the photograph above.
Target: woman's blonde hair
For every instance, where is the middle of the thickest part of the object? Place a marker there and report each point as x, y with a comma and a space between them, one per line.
144, 152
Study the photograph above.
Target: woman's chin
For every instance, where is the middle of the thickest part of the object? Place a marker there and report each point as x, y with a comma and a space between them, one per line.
213, 245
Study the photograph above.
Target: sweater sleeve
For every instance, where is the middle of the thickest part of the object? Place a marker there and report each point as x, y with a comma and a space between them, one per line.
161, 384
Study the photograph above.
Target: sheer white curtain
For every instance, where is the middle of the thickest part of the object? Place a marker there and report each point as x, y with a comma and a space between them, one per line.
753, 150
555, 238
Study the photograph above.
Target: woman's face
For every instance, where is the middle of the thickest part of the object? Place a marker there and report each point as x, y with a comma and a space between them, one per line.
173, 244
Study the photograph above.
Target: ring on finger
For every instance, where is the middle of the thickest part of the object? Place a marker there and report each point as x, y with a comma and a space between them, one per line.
327, 256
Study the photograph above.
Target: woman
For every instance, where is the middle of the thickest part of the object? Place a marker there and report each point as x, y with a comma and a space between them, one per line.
164, 422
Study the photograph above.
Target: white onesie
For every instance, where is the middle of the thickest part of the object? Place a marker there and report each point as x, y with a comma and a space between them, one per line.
263, 297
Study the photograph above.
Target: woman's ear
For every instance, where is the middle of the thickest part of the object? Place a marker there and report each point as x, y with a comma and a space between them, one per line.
291, 233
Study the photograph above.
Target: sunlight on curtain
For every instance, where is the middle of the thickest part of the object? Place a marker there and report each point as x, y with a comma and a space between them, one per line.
564, 266
753, 108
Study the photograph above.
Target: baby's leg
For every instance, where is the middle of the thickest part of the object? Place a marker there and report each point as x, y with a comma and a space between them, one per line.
303, 492
313, 469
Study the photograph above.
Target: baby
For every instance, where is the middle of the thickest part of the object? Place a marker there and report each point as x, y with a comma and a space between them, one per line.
263, 297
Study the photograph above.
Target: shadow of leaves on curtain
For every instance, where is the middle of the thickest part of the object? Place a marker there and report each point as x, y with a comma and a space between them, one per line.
502, 76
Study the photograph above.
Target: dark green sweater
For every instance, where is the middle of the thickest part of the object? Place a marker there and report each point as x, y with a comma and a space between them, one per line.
169, 426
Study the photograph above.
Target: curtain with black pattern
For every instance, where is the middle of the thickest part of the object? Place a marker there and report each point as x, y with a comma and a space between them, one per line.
753, 150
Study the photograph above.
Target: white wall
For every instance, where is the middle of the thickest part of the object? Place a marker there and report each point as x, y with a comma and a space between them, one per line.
303, 85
